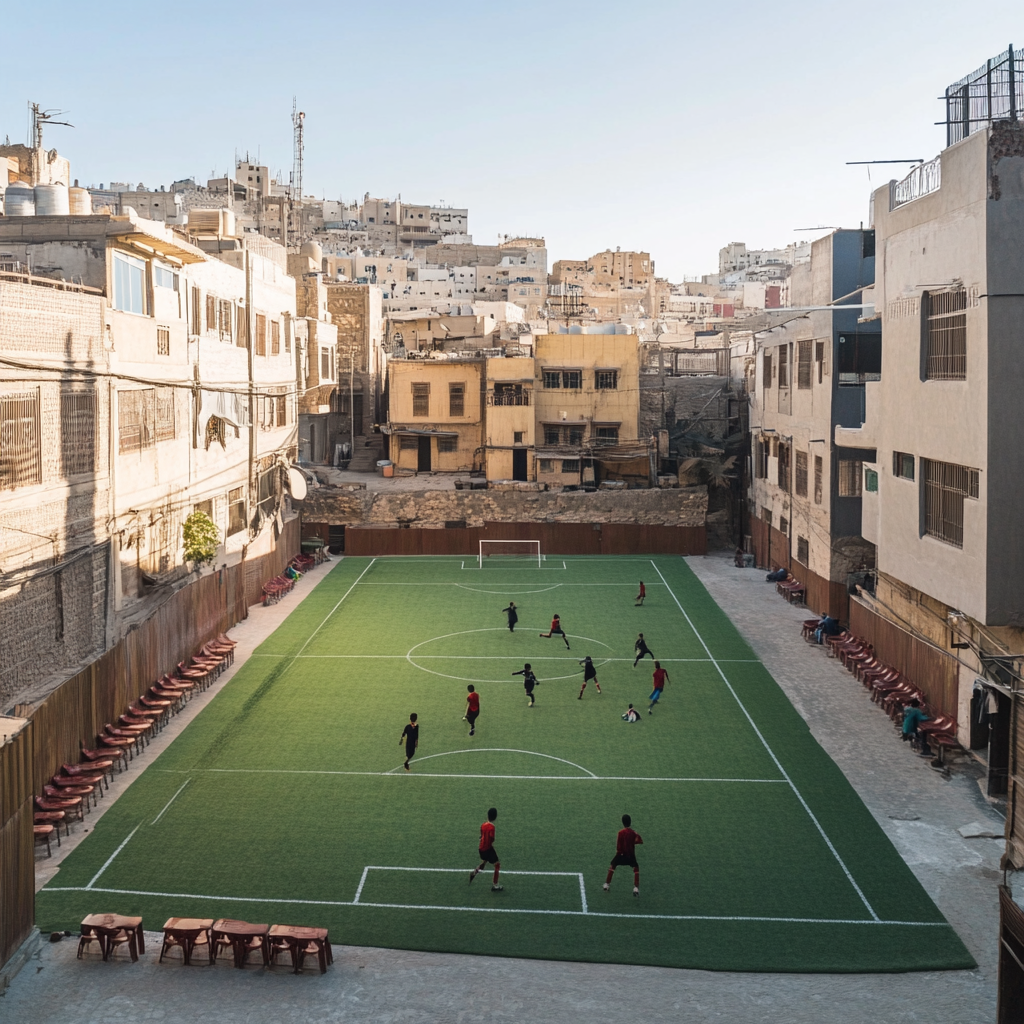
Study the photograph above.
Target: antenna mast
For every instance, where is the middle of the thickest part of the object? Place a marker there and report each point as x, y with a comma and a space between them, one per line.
298, 119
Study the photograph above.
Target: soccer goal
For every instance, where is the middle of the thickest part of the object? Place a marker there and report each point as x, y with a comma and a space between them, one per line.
511, 550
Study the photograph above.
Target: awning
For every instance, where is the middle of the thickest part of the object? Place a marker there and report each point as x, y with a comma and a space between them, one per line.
151, 245
420, 433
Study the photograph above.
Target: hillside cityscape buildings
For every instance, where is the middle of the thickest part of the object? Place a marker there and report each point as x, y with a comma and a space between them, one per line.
845, 408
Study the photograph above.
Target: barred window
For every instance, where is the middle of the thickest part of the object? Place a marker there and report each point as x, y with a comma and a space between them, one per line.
606, 380
408, 442
849, 478
903, 465
802, 550
803, 368
136, 419
945, 486
819, 358
784, 459
77, 432
766, 362
783, 366
571, 379
447, 445
241, 327
606, 435
945, 334
546, 465
456, 400
267, 490
421, 399
211, 312
818, 466
783, 525
21, 461
197, 311
552, 435
236, 511
275, 338
261, 334
164, 414
570, 465
282, 407
801, 474
224, 320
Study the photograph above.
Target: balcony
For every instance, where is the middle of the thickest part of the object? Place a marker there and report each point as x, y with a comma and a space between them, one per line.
509, 397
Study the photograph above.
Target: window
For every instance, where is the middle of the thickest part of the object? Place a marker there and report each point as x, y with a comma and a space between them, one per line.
606, 435
325, 365
197, 311
447, 445
211, 313
206, 507
517, 436
275, 337
783, 478
136, 414
261, 334
817, 479
236, 511
944, 488
762, 451
945, 356
224, 320
859, 358
803, 367
766, 362
215, 432
570, 465
802, 553
164, 277
870, 480
421, 399
267, 491
766, 515
801, 474
282, 407
20, 452
287, 339
241, 328
783, 525
606, 380
552, 435
571, 379
903, 465
546, 466
783, 366
819, 358
77, 432
163, 341
129, 283
164, 414
456, 400
408, 442
849, 478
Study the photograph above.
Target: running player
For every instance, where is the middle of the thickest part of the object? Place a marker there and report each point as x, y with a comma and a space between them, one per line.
625, 854
556, 627
513, 616
472, 708
589, 672
529, 680
660, 676
488, 854
411, 738
641, 649
643, 593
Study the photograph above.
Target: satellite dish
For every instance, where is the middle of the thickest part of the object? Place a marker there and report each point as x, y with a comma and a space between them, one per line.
296, 484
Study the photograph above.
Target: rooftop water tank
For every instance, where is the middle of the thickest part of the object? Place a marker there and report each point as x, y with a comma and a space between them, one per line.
19, 200
51, 200
313, 251
79, 202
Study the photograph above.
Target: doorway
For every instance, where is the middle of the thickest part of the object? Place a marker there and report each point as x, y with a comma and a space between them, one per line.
519, 464
357, 416
423, 461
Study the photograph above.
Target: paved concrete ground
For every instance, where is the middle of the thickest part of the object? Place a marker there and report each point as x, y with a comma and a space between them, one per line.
918, 808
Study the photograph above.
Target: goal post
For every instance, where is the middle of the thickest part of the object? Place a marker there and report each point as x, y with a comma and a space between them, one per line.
511, 550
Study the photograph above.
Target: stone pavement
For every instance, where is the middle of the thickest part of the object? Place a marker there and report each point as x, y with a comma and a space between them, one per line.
918, 809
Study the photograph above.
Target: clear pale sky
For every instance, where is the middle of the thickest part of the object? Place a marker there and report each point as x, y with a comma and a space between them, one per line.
668, 127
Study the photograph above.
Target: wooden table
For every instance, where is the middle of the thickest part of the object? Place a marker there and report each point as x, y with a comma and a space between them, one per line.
185, 932
106, 926
298, 937
243, 937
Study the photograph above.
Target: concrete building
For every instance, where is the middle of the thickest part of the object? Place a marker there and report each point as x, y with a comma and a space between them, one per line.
356, 312
811, 373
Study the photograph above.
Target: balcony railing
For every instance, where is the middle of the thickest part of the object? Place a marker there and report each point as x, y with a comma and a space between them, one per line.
508, 398
922, 180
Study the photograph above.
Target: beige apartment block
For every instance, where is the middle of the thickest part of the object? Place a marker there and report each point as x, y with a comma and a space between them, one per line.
510, 423
436, 414
356, 311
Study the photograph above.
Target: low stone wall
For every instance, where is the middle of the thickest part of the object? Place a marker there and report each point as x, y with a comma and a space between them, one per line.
686, 506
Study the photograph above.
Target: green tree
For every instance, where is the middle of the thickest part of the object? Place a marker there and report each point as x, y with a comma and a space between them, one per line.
201, 538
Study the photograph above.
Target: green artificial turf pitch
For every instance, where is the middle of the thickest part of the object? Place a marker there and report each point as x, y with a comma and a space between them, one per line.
285, 800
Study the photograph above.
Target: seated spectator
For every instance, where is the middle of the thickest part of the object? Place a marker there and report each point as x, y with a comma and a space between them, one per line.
739, 558
777, 576
632, 715
913, 716
826, 627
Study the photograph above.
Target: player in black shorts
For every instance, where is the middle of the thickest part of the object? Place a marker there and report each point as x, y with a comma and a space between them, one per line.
556, 630
641, 648
529, 681
625, 854
411, 738
589, 672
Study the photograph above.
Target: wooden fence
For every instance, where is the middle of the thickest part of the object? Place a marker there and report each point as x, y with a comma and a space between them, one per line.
555, 539
932, 671
17, 856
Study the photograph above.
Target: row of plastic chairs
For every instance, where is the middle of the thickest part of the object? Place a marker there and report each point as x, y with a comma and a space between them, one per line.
791, 589
274, 589
887, 686
75, 789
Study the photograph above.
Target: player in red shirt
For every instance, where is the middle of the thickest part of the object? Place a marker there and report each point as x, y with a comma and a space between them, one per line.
488, 854
643, 593
625, 853
660, 676
556, 627
472, 708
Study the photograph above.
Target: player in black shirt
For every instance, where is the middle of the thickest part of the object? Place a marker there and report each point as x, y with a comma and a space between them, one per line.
641, 649
411, 738
529, 681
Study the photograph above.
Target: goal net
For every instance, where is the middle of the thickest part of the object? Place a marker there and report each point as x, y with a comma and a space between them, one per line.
511, 551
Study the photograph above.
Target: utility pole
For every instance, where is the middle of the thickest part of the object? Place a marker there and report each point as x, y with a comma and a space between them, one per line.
352, 401
249, 326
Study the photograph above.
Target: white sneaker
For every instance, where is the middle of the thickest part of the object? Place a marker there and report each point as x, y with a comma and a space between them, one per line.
636, 891
497, 888
606, 887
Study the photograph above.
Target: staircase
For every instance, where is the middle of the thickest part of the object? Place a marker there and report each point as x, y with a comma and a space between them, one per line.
365, 453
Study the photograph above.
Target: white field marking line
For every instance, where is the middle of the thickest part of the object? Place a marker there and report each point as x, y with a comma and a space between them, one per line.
477, 590
507, 910
554, 586
309, 640
496, 657
169, 802
110, 859
771, 753
389, 774
583, 893
499, 750
359, 888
